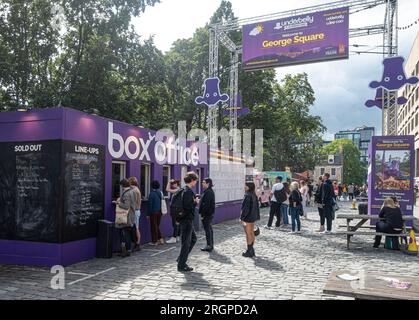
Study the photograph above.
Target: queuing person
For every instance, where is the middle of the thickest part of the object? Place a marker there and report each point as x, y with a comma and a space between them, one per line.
310, 193
296, 207
345, 192
134, 185
328, 197
318, 199
340, 191
172, 187
285, 205
127, 201
351, 190
187, 230
207, 210
275, 204
304, 193
249, 215
393, 220
154, 213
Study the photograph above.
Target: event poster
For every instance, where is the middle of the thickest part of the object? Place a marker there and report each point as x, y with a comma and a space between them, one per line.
391, 172
308, 38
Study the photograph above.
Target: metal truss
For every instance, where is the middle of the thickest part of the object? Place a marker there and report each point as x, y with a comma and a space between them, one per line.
219, 34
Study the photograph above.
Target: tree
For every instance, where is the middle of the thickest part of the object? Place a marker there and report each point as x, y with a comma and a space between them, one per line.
354, 171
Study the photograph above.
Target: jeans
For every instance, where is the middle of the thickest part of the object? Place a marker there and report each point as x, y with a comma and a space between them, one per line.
328, 214
322, 217
209, 233
284, 211
274, 211
188, 241
351, 196
383, 227
295, 218
125, 237
155, 220
176, 227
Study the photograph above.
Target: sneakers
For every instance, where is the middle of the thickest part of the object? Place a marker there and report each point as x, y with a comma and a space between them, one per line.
268, 228
249, 253
154, 243
327, 232
207, 249
177, 239
171, 241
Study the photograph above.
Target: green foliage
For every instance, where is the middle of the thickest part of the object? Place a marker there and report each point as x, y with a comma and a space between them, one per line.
354, 171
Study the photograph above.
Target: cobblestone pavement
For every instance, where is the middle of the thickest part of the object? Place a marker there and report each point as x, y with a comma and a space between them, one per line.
287, 266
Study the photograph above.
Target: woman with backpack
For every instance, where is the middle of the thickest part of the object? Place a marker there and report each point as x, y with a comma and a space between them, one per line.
296, 207
154, 213
249, 215
172, 187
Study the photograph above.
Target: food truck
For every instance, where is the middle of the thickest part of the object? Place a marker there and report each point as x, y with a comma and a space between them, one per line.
59, 175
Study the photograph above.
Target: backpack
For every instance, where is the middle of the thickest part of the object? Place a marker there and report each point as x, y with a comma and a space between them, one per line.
280, 195
176, 205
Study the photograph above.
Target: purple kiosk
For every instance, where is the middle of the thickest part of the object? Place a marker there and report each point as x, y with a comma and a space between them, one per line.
59, 173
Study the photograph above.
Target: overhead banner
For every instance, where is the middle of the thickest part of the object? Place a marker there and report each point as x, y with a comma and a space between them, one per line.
315, 37
391, 172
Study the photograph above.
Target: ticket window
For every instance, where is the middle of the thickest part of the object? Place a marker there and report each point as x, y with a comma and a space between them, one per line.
167, 174
119, 172
145, 181
184, 171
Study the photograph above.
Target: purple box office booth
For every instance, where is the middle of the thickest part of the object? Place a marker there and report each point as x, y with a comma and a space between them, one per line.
56, 172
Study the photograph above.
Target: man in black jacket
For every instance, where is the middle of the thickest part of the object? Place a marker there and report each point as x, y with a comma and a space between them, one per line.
186, 224
206, 210
328, 197
318, 199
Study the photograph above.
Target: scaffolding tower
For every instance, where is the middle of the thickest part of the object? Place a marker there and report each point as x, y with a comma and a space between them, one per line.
219, 33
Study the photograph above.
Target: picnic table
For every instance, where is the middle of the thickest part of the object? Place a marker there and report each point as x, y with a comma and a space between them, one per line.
352, 230
373, 286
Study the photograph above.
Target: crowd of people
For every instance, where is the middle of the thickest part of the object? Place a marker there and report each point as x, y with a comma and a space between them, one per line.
289, 203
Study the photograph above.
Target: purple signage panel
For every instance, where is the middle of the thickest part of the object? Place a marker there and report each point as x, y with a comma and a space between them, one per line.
391, 172
315, 37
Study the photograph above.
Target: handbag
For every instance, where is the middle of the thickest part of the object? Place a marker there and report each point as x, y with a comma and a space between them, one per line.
121, 215
163, 204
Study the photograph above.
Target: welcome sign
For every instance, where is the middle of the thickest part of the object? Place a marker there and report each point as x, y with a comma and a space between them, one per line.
302, 39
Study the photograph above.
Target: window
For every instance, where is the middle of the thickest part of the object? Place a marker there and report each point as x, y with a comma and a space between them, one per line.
167, 174
322, 171
145, 180
118, 173
333, 171
200, 178
183, 172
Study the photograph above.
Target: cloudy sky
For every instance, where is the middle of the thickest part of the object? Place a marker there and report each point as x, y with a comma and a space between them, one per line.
341, 87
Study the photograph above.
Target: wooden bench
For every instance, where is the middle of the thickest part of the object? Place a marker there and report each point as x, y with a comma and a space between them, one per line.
371, 286
354, 230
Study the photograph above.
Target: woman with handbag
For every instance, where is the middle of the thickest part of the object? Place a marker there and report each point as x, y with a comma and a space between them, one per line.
296, 207
155, 213
125, 217
249, 215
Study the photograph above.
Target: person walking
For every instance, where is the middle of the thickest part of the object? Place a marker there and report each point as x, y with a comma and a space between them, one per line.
127, 201
328, 197
249, 215
318, 200
154, 213
275, 204
345, 192
172, 187
296, 207
207, 210
304, 193
392, 223
285, 205
351, 190
187, 230
134, 185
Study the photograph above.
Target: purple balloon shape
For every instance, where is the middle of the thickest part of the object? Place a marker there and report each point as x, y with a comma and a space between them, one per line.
212, 94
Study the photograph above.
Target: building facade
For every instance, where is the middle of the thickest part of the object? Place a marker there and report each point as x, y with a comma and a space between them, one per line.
361, 137
332, 165
408, 114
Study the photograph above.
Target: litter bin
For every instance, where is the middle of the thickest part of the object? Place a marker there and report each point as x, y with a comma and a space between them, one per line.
363, 208
104, 241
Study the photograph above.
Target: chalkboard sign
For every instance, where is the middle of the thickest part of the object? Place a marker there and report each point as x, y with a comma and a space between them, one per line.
30, 181
84, 181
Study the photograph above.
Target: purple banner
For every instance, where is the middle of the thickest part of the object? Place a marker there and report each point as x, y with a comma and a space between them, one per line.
301, 39
391, 172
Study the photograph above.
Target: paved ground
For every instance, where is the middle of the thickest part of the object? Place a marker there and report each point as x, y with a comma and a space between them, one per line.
287, 266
